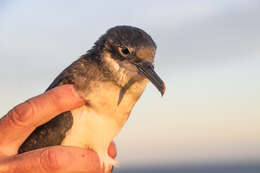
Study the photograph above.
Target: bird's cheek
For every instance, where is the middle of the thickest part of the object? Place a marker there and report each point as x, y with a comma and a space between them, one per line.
128, 66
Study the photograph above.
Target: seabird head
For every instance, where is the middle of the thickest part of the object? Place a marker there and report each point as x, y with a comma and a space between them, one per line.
128, 53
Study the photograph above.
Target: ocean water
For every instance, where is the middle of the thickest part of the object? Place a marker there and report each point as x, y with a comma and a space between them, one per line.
253, 168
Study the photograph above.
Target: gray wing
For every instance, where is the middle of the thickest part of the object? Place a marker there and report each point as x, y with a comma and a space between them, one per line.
49, 134
52, 132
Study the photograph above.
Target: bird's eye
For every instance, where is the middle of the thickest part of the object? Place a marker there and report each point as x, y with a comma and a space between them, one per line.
125, 51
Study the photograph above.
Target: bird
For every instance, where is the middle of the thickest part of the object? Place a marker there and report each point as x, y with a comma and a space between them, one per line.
110, 77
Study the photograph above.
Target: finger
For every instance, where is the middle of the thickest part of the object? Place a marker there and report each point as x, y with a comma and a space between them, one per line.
57, 159
112, 152
51, 159
24, 118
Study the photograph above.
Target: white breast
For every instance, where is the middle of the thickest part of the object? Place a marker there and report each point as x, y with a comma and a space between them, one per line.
91, 130
95, 125
94, 131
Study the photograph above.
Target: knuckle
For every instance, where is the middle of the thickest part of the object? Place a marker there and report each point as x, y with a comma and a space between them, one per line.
5, 167
22, 115
49, 160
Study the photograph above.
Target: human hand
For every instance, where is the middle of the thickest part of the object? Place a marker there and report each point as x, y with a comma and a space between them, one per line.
20, 122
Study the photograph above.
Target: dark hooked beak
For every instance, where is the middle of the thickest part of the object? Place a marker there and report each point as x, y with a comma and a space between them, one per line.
148, 70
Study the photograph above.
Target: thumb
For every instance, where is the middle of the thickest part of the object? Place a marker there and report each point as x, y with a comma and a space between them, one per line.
57, 159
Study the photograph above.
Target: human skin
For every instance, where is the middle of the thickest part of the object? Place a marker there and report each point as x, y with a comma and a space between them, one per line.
20, 122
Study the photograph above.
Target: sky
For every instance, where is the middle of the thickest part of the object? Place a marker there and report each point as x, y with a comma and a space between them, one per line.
208, 55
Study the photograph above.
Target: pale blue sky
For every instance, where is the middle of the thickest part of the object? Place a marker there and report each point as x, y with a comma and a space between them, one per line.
208, 55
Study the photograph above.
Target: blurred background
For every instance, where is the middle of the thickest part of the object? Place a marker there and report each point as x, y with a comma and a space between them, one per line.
208, 54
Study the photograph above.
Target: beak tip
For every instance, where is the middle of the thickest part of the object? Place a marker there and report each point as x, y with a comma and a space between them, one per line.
163, 88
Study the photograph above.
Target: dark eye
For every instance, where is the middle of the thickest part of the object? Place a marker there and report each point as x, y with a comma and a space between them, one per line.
125, 51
